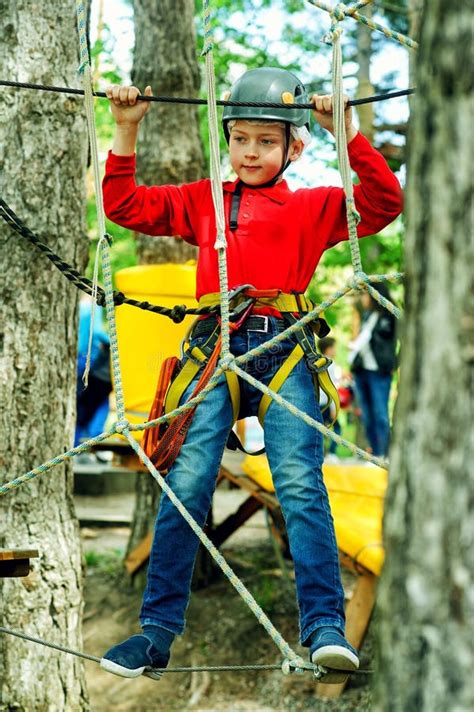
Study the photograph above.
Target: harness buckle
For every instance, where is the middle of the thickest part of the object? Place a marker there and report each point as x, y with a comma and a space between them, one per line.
264, 319
312, 361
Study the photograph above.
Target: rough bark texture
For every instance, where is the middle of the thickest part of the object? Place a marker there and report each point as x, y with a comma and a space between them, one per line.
43, 153
365, 88
426, 594
169, 149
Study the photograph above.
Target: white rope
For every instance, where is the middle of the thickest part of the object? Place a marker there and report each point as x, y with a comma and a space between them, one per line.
216, 185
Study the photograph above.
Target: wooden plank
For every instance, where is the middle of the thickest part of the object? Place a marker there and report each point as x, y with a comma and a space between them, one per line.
266, 498
18, 554
223, 531
139, 556
258, 499
358, 613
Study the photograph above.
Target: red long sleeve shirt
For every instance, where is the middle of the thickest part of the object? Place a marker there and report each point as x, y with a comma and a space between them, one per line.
281, 234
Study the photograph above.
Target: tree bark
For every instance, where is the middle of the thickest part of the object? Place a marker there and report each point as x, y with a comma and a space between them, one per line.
425, 597
169, 151
43, 154
365, 87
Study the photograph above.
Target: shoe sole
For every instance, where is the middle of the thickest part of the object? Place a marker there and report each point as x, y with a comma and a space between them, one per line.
117, 669
335, 657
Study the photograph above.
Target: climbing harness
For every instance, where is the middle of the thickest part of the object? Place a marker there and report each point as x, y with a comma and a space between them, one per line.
162, 443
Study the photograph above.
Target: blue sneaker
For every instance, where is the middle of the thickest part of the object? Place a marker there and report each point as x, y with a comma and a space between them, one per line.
133, 657
329, 649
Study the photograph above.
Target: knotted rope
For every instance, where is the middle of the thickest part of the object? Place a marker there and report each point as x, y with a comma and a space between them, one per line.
352, 12
216, 178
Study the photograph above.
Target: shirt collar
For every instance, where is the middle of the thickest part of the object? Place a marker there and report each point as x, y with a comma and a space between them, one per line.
279, 193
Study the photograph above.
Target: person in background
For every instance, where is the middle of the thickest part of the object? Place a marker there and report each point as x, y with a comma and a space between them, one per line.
373, 360
92, 401
327, 346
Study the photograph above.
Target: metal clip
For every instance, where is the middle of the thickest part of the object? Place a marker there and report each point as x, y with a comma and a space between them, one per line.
240, 309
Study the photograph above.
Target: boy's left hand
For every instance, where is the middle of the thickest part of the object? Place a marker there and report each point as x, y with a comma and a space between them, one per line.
323, 113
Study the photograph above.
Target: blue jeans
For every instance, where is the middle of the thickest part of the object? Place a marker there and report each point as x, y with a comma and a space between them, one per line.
372, 391
295, 454
336, 426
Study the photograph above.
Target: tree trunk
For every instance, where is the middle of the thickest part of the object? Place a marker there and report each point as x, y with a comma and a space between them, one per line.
365, 112
427, 622
169, 150
42, 160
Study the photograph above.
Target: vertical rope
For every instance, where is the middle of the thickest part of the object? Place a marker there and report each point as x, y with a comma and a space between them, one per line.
216, 178
353, 216
94, 291
104, 239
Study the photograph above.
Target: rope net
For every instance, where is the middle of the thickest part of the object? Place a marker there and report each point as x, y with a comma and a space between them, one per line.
358, 281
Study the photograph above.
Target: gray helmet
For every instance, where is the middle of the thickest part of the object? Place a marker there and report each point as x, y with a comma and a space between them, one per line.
267, 84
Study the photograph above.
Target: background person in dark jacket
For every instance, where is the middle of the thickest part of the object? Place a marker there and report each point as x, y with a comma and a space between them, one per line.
373, 360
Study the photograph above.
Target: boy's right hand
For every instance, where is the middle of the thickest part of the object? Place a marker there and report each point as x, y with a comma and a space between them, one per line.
124, 105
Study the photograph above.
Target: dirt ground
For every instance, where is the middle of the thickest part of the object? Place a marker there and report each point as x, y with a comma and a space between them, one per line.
220, 630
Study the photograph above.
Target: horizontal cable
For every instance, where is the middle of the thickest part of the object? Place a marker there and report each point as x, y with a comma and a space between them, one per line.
198, 668
219, 102
176, 313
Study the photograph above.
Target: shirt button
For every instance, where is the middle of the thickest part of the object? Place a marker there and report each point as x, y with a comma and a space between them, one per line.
246, 215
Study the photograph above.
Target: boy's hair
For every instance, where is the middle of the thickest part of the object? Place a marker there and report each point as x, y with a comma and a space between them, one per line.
325, 343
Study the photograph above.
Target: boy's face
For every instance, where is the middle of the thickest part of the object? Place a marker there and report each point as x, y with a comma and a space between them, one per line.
257, 151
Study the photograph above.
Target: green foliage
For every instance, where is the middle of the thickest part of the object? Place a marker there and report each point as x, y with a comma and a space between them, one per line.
380, 254
108, 562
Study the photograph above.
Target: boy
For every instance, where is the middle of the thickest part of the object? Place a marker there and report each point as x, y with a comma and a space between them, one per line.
274, 241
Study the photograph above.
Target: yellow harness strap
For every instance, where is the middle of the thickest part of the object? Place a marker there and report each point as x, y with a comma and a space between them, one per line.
185, 376
322, 380
278, 380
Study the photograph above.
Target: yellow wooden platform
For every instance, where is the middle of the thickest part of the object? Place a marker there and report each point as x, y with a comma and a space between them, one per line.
356, 494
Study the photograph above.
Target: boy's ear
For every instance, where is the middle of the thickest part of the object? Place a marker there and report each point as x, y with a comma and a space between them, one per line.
296, 149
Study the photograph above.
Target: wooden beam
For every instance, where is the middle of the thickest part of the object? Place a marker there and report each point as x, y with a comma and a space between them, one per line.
223, 531
358, 613
140, 554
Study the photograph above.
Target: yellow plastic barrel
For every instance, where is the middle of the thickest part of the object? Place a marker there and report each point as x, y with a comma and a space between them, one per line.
146, 339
